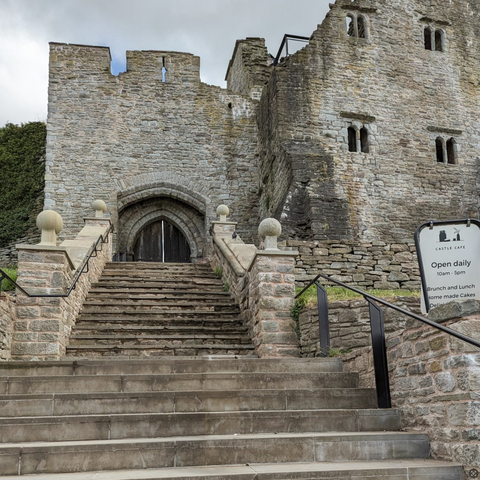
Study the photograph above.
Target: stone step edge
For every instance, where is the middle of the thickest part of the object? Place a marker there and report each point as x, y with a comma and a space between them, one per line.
259, 471
318, 436
200, 346
367, 412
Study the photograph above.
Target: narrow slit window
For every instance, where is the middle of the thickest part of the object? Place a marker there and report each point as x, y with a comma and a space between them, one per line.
350, 26
352, 139
364, 140
451, 151
439, 149
438, 41
361, 27
427, 35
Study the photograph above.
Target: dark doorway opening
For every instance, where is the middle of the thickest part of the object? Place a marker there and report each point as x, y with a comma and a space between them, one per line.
161, 242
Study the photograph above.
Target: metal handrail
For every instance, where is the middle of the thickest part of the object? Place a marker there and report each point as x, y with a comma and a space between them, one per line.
377, 331
286, 37
97, 247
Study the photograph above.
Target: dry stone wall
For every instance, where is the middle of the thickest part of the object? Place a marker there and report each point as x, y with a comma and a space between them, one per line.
366, 264
434, 382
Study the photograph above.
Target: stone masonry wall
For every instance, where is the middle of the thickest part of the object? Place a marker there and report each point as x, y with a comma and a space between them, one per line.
434, 382
404, 95
366, 264
105, 130
43, 325
7, 318
349, 322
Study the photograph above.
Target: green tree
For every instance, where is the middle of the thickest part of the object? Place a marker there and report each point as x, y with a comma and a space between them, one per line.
22, 177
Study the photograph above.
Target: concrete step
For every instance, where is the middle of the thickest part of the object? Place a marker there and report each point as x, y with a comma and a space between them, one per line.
129, 315
65, 457
160, 306
171, 365
146, 293
156, 425
61, 404
91, 328
357, 470
173, 382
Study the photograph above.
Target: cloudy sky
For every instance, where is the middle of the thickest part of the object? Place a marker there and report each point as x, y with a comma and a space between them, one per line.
208, 28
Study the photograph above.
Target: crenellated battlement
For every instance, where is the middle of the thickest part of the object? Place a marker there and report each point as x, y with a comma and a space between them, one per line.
163, 66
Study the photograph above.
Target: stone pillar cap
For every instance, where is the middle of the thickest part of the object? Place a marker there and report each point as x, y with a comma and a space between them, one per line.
50, 220
270, 227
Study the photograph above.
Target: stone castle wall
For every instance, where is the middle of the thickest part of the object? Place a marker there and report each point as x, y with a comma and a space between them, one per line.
107, 133
404, 95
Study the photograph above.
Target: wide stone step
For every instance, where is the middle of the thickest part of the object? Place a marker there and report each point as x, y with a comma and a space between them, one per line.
156, 306
173, 382
145, 293
170, 365
150, 342
167, 283
155, 425
91, 329
356, 470
188, 349
60, 404
157, 266
168, 314
78, 456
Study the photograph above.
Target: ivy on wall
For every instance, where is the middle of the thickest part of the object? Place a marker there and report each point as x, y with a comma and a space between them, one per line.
22, 177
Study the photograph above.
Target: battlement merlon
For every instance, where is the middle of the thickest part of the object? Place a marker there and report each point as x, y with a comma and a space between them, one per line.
89, 59
249, 67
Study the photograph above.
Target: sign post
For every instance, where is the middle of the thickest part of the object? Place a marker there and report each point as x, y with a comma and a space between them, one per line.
449, 259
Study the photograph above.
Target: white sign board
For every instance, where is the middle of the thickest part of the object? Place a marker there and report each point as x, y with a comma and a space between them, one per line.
450, 257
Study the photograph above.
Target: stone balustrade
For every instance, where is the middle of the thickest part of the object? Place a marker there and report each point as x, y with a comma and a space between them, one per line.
42, 325
262, 282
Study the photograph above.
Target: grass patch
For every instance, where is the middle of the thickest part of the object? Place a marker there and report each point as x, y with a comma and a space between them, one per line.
309, 298
7, 285
219, 272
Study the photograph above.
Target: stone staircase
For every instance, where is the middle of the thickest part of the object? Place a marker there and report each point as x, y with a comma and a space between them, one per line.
159, 309
202, 418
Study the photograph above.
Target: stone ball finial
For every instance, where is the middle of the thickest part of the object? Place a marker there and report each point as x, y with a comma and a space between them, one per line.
222, 212
99, 206
270, 229
50, 223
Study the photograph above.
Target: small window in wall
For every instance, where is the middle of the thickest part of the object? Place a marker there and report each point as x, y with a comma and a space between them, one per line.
361, 27
439, 144
438, 40
352, 139
364, 140
427, 35
357, 26
451, 151
350, 26
434, 39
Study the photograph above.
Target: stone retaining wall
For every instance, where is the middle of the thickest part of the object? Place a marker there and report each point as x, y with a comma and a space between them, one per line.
350, 324
368, 265
7, 316
434, 380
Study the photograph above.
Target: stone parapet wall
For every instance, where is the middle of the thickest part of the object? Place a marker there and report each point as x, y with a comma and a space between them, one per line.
43, 324
263, 284
7, 318
434, 380
365, 264
350, 324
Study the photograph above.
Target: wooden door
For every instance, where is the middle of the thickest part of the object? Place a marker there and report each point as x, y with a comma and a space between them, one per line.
161, 242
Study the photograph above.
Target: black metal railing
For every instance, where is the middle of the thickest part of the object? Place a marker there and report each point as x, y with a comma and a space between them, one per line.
377, 332
97, 247
284, 44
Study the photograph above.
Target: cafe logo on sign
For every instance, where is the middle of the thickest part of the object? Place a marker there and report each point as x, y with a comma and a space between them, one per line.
449, 260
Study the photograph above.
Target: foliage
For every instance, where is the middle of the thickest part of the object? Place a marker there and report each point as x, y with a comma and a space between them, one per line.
22, 177
12, 273
226, 287
219, 272
295, 311
309, 298
336, 352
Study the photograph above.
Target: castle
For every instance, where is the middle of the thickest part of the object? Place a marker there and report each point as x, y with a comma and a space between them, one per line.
369, 130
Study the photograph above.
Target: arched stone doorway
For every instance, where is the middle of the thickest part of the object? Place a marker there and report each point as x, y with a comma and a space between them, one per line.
161, 241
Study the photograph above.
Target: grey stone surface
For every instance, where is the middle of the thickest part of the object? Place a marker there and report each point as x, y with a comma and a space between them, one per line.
455, 309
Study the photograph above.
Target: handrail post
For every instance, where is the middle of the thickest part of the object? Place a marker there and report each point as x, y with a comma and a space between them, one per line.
323, 325
379, 355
